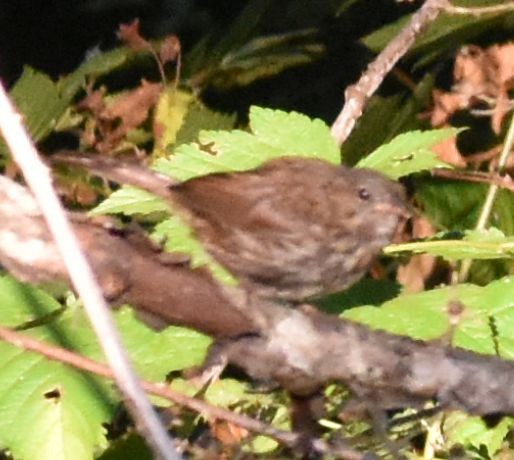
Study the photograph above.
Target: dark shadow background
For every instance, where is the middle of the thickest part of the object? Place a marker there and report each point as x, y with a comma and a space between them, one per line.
54, 36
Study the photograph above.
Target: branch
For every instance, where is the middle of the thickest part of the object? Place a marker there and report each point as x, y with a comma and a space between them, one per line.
495, 179
59, 354
38, 178
478, 11
358, 95
302, 349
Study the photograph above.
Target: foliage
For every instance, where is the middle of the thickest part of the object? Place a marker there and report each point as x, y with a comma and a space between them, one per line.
186, 135
65, 409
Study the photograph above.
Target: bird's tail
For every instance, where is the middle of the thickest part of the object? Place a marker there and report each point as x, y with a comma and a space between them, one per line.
122, 172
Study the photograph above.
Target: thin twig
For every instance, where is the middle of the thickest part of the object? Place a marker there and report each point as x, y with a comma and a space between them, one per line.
77, 361
357, 96
478, 11
491, 195
481, 157
505, 182
38, 178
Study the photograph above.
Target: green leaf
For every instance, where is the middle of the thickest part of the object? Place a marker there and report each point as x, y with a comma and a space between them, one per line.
96, 66
425, 316
178, 237
20, 305
446, 33
187, 162
64, 409
243, 26
169, 115
483, 244
128, 447
275, 133
40, 101
408, 153
460, 428
130, 200
264, 57
367, 291
294, 133
207, 54
225, 392
44, 102
452, 205
344, 6
200, 117
61, 408
155, 354
386, 117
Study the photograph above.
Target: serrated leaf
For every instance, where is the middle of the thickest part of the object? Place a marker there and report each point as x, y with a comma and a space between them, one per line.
169, 114
238, 150
425, 316
294, 133
43, 102
199, 117
188, 161
64, 409
408, 153
476, 244
96, 66
130, 200
178, 237
36, 303
40, 101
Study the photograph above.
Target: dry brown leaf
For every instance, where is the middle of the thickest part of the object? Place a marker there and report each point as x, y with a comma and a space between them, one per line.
129, 33
111, 121
414, 274
445, 105
133, 107
501, 109
227, 433
170, 49
448, 152
472, 72
503, 57
93, 102
482, 76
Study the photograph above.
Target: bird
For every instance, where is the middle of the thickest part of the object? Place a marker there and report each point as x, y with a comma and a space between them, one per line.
293, 229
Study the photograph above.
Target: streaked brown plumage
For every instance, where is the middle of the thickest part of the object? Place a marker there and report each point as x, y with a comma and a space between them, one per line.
291, 229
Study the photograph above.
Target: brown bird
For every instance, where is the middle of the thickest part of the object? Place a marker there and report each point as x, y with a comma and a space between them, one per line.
292, 229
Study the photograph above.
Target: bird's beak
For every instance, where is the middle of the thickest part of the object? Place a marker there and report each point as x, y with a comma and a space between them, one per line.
403, 211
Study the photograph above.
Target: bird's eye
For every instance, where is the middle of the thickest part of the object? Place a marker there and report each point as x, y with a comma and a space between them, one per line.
364, 194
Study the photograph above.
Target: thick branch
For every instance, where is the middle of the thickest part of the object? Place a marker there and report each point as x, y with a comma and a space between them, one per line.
303, 349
